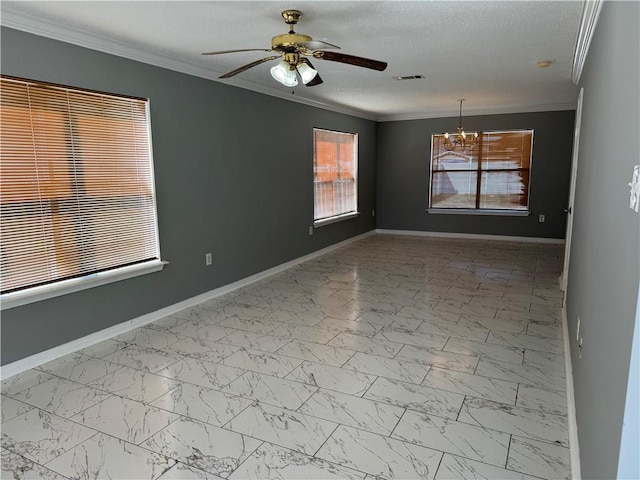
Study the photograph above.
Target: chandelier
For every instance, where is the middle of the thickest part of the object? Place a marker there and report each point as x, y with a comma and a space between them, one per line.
461, 140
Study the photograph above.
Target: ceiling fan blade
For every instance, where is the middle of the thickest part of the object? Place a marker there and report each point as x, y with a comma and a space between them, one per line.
248, 66
240, 50
351, 60
317, 45
316, 80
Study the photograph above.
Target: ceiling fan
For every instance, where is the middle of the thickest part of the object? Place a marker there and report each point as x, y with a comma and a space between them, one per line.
295, 48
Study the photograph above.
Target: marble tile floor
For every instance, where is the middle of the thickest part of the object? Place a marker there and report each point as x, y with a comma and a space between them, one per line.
392, 357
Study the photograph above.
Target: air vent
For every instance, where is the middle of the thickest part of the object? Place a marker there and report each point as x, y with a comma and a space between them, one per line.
409, 77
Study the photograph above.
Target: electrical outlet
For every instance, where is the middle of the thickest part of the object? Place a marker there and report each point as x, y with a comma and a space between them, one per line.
311, 230
373, 213
208, 259
541, 218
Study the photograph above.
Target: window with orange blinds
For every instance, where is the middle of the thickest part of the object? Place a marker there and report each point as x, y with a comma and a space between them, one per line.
335, 167
77, 191
493, 176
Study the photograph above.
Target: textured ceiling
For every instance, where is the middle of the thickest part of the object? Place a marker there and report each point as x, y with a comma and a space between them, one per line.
484, 51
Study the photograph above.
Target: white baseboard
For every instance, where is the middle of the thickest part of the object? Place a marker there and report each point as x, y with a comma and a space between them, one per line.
41, 358
471, 236
574, 449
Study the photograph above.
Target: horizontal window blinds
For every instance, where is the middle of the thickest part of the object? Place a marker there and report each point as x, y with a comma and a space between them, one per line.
76, 188
335, 164
494, 176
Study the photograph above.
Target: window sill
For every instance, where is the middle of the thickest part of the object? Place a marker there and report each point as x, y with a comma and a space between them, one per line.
337, 218
463, 211
43, 292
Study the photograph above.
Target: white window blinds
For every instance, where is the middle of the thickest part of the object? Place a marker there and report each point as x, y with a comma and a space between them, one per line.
76, 192
335, 167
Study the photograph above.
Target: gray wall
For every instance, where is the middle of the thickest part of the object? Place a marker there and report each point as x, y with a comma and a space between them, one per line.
605, 250
404, 153
234, 176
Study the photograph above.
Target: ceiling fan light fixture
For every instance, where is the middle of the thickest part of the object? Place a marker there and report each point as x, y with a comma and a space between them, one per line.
306, 72
285, 74
290, 80
279, 72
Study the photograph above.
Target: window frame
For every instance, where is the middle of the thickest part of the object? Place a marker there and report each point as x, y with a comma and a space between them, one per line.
319, 222
482, 211
83, 281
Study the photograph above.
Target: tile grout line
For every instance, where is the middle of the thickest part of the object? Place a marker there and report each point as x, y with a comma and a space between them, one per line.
369, 388
439, 464
396, 426
326, 440
506, 462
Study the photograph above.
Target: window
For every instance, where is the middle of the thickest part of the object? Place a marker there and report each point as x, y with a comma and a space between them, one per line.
76, 193
335, 168
493, 177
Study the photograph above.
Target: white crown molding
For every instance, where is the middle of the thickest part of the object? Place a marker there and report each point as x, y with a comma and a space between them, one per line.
478, 111
590, 13
81, 38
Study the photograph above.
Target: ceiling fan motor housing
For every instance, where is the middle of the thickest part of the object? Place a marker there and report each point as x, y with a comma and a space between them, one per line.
280, 43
